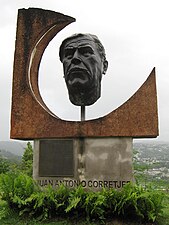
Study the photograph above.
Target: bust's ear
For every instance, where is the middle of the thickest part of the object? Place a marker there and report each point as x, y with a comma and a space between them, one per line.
105, 66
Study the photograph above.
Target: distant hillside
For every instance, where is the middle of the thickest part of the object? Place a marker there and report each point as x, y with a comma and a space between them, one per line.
15, 147
155, 155
153, 150
10, 156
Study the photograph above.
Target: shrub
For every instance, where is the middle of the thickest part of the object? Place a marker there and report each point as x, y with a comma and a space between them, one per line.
47, 203
133, 201
76, 199
15, 188
140, 203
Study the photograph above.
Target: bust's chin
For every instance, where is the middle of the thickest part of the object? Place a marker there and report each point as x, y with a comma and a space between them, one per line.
84, 97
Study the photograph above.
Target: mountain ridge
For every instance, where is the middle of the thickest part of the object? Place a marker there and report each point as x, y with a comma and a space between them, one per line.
14, 147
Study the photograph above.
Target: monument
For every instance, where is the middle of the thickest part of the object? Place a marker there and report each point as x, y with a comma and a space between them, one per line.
95, 153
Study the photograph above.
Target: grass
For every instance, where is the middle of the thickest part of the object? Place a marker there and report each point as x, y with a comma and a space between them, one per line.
15, 219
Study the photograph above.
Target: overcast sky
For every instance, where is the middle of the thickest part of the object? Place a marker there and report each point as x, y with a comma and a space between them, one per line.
135, 34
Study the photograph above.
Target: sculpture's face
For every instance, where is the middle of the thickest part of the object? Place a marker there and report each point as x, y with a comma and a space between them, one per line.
82, 64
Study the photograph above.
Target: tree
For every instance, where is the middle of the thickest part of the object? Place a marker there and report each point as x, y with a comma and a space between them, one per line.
27, 160
4, 165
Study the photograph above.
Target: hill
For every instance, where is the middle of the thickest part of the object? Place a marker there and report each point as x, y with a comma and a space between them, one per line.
10, 156
15, 147
152, 163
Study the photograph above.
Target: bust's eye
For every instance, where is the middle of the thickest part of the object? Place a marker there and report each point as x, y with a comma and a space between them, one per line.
86, 51
69, 53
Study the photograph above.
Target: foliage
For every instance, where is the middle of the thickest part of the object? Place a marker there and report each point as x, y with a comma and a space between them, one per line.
164, 218
15, 188
25, 196
27, 160
47, 203
141, 203
4, 165
76, 200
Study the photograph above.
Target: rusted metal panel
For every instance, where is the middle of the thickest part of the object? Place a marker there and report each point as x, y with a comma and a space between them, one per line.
30, 117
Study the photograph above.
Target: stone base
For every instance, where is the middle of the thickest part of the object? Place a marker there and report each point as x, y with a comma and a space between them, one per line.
92, 162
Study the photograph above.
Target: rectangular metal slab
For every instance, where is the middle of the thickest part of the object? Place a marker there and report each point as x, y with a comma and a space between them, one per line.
56, 158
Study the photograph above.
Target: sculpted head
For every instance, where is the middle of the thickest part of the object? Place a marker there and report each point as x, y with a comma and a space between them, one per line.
84, 63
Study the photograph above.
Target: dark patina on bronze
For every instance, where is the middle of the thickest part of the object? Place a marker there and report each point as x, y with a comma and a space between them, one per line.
84, 62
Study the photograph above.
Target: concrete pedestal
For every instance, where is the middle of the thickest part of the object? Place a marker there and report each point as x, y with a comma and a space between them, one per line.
92, 162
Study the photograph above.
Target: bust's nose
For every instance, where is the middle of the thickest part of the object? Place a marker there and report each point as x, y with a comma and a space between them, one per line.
76, 58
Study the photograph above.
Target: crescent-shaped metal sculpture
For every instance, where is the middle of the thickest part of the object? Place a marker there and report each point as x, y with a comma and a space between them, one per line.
31, 118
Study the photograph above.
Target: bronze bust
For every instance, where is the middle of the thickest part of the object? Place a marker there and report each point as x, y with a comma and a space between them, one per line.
84, 63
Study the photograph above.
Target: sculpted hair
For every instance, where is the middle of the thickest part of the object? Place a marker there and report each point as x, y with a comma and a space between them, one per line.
95, 39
